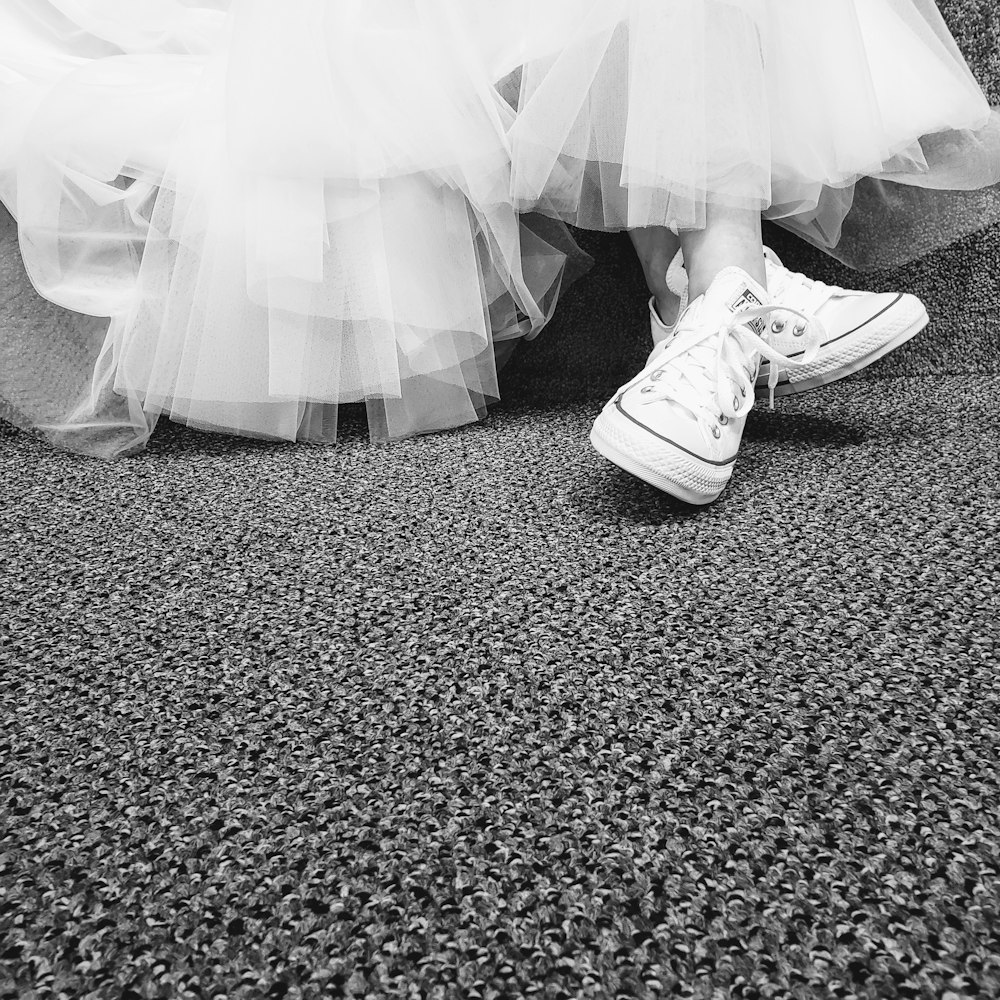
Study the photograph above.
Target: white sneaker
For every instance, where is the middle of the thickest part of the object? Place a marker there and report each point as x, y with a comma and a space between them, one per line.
678, 424
860, 327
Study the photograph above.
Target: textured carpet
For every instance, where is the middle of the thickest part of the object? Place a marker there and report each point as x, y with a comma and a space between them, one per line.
478, 715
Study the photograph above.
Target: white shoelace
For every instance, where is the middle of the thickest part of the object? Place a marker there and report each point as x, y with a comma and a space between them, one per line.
727, 357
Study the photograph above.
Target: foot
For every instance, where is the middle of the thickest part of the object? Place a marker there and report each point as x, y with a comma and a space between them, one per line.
860, 327
678, 424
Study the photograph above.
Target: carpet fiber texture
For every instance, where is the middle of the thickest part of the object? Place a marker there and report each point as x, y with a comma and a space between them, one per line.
479, 715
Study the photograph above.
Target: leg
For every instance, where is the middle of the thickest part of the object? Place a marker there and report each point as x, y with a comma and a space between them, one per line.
655, 247
731, 237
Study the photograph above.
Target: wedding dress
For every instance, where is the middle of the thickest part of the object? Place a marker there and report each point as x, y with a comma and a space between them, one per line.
255, 212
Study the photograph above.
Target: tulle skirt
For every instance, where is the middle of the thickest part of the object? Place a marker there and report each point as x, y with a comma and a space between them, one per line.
259, 211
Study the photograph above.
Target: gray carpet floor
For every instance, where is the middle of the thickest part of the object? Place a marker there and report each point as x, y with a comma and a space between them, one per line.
477, 715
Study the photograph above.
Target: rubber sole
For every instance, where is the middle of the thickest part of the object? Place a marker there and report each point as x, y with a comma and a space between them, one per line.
647, 475
850, 368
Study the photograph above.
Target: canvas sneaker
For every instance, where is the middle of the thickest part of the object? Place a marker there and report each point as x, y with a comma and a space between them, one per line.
860, 327
678, 424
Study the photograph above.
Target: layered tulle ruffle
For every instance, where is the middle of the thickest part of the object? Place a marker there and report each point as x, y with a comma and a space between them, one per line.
283, 208
645, 112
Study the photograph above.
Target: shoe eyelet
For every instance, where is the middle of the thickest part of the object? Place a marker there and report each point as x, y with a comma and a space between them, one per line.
723, 419
736, 402
656, 376
799, 330
743, 392
645, 389
716, 433
777, 326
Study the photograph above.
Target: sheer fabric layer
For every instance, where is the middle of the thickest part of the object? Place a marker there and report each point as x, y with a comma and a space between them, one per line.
282, 208
644, 112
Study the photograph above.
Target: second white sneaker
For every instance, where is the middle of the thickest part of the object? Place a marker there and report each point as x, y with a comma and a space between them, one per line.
859, 327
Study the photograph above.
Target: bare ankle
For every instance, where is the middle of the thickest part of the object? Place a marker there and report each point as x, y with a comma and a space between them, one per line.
731, 238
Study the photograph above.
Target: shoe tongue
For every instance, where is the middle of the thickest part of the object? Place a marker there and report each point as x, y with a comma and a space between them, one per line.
734, 291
